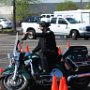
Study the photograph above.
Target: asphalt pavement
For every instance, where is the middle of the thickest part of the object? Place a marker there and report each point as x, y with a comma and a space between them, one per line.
7, 44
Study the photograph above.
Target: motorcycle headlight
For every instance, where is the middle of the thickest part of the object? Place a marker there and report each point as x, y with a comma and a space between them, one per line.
12, 61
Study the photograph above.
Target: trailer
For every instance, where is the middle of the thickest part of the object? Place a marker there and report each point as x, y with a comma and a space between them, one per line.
79, 15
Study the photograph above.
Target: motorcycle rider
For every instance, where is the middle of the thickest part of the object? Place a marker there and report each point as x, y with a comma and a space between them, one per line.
46, 46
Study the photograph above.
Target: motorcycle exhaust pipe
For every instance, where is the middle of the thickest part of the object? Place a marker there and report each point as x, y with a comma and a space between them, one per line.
78, 76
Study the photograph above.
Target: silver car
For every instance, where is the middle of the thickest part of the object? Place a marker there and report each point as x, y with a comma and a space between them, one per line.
5, 23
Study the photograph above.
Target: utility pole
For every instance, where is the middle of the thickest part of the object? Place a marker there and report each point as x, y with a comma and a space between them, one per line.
81, 4
14, 14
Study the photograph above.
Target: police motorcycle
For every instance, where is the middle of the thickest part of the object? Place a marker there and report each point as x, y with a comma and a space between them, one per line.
22, 73
76, 67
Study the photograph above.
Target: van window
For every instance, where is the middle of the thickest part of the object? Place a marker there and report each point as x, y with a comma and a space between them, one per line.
53, 20
72, 20
61, 21
43, 16
52, 15
47, 15
32, 19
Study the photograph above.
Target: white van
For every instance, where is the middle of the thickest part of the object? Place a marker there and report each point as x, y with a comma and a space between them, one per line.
80, 15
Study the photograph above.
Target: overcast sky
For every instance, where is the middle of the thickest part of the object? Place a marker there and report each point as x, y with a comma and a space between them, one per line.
56, 1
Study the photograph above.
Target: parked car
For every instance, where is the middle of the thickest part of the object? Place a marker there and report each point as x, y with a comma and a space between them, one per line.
5, 23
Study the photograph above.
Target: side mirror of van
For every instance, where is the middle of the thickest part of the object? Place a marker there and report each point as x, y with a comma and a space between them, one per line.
66, 23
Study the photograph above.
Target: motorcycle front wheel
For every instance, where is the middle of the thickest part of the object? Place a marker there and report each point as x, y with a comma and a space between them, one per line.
20, 83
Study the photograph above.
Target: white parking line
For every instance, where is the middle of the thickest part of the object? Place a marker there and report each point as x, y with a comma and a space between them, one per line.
74, 45
3, 62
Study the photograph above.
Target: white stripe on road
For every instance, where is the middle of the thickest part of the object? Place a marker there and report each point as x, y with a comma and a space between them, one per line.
7, 44
3, 62
74, 45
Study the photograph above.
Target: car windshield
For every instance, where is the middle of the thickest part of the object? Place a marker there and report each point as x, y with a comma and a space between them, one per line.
4, 20
32, 19
72, 20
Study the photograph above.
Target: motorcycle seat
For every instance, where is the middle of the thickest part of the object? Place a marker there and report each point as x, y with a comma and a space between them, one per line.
76, 53
77, 57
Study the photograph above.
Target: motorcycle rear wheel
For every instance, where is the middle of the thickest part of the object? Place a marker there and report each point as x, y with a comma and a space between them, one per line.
20, 84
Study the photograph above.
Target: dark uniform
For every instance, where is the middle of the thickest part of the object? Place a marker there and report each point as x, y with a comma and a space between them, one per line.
47, 48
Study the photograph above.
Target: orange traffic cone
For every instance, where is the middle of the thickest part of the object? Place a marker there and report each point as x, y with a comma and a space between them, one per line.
64, 80
59, 51
22, 50
54, 83
65, 87
1, 70
27, 48
61, 84
68, 44
19, 47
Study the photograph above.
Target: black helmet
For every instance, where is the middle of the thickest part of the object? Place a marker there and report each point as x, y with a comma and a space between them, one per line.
45, 22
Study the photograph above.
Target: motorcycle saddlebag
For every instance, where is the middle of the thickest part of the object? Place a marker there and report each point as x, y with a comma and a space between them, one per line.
76, 58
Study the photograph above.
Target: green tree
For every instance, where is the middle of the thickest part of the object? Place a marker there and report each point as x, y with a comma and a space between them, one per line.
20, 8
87, 6
67, 5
